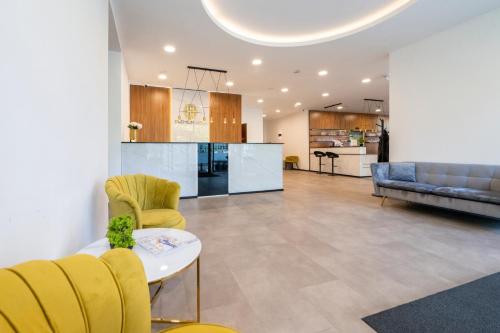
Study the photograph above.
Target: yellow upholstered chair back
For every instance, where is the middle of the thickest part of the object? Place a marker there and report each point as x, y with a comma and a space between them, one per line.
130, 194
77, 294
292, 159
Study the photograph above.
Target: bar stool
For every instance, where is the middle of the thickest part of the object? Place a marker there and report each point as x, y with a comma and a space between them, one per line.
320, 155
333, 156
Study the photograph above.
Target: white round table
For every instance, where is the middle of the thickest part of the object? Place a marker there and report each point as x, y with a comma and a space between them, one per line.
161, 267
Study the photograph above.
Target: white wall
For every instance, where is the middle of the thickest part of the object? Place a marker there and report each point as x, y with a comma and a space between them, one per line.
125, 103
255, 125
445, 95
53, 88
119, 110
295, 135
114, 112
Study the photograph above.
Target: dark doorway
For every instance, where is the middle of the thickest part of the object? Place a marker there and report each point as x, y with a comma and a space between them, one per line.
243, 133
212, 169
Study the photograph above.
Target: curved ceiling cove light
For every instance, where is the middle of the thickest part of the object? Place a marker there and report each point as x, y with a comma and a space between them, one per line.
313, 33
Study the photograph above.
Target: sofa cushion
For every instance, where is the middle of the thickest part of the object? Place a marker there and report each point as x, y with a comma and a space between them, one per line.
162, 218
407, 186
468, 194
475, 176
404, 171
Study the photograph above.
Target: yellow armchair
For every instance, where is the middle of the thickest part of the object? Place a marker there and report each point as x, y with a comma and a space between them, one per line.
153, 202
81, 294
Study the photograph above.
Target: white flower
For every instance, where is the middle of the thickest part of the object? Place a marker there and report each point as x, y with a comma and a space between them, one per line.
134, 125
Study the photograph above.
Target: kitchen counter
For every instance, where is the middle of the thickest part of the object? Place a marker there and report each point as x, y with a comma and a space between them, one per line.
352, 161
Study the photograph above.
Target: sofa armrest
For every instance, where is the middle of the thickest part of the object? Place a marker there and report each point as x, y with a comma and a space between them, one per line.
380, 171
169, 194
122, 204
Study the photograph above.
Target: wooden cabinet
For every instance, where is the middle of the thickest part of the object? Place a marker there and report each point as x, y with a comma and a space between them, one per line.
327, 126
342, 120
150, 106
225, 117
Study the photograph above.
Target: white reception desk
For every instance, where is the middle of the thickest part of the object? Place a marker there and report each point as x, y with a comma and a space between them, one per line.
352, 161
252, 167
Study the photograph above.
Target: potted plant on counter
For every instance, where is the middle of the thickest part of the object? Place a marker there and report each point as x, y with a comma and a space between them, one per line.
120, 230
134, 127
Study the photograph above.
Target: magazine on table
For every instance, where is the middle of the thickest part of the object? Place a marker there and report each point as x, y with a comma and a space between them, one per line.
163, 244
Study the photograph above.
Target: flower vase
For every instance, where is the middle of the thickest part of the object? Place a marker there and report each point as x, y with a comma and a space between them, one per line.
133, 135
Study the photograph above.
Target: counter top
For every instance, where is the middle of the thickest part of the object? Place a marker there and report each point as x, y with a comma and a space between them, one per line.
230, 143
338, 147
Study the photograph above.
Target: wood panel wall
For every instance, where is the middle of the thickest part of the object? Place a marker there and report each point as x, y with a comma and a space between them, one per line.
150, 106
343, 120
225, 107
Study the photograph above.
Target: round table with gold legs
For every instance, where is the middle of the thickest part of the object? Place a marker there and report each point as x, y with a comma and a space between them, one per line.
162, 267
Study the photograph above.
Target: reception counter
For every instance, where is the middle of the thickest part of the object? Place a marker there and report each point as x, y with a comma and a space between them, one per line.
235, 168
352, 161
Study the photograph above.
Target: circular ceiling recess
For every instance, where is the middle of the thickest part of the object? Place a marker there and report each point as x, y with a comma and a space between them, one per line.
288, 23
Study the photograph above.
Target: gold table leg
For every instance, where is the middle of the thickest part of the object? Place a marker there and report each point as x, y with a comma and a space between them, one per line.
162, 320
157, 292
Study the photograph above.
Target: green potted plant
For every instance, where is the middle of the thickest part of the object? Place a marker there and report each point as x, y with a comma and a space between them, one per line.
120, 232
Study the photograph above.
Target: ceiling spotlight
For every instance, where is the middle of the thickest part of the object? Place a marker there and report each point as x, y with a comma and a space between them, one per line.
322, 73
278, 110
325, 94
260, 100
264, 115
378, 110
340, 107
169, 48
284, 90
257, 62
162, 76
229, 83
366, 80
298, 104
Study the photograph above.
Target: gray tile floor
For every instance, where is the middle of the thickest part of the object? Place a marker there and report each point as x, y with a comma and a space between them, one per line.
323, 254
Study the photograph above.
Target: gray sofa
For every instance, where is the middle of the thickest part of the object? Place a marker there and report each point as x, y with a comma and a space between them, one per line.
470, 188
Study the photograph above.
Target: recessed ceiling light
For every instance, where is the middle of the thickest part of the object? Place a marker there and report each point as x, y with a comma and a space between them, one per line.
366, 80
169, 48
322, 73
162, 76
298, 104
340, 107
378, 110
257, 62
260, 100
278, 110
264, 115
284, 90
325, 94
229, 83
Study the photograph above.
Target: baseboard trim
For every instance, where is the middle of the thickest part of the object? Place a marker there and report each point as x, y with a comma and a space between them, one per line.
233, 193
251, 192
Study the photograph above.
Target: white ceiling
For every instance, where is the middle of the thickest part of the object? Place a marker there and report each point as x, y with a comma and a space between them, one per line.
144, 27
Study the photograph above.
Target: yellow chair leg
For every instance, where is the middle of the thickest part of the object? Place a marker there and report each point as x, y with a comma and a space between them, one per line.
383, 200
